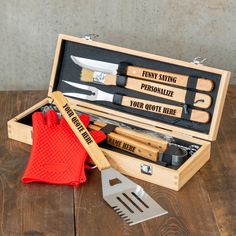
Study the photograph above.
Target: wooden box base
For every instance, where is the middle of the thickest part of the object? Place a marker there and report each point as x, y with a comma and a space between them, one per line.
166, 177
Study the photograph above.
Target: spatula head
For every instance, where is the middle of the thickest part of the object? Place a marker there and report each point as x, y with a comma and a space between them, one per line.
128, 199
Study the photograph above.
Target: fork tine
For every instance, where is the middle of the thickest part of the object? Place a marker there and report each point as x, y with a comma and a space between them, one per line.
91, 97
77, 85
97, 94
81, 96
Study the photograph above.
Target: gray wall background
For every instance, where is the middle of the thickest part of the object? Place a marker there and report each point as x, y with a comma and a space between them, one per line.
178, 29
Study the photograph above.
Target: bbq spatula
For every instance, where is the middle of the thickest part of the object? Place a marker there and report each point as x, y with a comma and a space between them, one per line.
128, 199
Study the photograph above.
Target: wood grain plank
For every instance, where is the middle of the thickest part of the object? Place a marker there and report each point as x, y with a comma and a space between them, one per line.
33, 209
219, 174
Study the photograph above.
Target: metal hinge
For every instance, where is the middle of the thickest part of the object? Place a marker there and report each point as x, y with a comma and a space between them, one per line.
198, 60
90, 36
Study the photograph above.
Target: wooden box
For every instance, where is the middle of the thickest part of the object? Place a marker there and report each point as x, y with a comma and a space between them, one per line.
183, 132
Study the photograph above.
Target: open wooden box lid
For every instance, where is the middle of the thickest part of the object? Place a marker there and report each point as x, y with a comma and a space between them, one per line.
65, 69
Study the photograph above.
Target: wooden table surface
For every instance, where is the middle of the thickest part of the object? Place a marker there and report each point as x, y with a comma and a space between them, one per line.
206, 205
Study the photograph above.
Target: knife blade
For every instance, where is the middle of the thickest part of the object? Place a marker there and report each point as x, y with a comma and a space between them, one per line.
95, 65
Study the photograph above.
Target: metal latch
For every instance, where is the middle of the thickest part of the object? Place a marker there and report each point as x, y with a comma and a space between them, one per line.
198, 60
146, 169
90, 36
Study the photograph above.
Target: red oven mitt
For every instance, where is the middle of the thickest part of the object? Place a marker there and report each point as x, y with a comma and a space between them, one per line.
57, 156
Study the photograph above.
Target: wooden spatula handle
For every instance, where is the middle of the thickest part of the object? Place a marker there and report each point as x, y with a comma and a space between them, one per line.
168, 78
164, 109
80, 131
139, 136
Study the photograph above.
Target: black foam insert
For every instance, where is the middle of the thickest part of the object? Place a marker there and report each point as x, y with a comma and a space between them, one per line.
68, 70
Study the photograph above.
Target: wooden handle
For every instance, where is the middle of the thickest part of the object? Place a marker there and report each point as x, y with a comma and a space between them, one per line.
164, 91
130, 145
109, 79
164, 109
80, 131
138, 136
168, 78
171, 93
204, 84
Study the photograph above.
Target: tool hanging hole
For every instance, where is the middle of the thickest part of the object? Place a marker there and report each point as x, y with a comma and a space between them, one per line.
114, 181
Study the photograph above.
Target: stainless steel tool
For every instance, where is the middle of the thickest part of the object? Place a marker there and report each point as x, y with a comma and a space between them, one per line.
101, 66
128, 199
137, 103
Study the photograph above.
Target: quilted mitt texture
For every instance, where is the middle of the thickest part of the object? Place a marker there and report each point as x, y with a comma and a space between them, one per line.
57, 156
